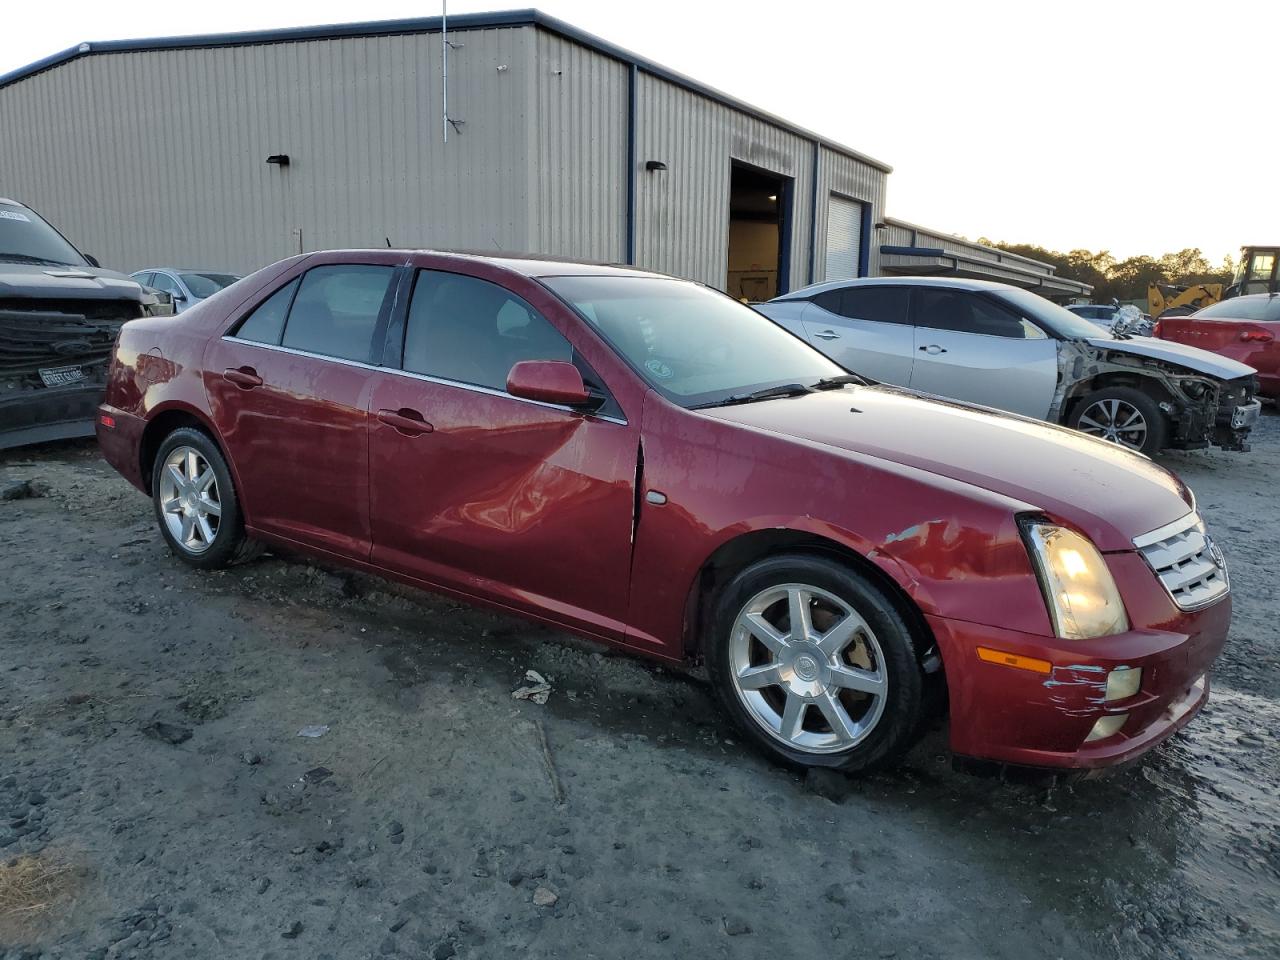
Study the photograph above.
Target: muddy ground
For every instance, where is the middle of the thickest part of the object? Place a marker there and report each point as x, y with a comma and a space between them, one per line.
149, 750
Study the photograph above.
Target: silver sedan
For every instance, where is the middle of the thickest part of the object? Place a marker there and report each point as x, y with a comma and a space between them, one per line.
1005, 347
187, 286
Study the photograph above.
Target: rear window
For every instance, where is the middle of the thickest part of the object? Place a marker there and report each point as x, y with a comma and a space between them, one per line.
1242, 308
336, 310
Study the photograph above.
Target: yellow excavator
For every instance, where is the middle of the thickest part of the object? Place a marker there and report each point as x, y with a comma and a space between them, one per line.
1259, 272
1169, 299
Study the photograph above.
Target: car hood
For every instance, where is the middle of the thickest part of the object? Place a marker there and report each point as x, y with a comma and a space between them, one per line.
1193, 358
1108, 492
47, 282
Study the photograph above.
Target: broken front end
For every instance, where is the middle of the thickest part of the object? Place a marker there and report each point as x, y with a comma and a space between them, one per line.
1201, 409
53, 365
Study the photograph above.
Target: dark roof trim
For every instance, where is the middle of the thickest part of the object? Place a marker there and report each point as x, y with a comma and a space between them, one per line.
890, 249
462, 21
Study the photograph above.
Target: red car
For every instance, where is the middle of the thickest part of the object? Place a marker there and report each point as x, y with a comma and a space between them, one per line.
649, 463
1243, 328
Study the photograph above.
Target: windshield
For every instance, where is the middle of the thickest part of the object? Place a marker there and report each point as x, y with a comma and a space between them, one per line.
24, 237
693, 345
204, 285
1059, 320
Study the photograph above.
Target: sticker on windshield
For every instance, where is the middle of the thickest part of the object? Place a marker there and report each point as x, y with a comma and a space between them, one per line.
659, 369
14, 215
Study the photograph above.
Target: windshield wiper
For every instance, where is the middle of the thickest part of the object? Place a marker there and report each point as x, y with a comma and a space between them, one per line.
27, 258
830, 383
768, 393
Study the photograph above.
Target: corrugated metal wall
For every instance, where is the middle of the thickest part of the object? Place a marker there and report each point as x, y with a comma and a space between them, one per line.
683, 212
578, 187
159, 156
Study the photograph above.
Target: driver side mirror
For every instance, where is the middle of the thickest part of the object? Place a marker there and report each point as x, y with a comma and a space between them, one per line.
549, 381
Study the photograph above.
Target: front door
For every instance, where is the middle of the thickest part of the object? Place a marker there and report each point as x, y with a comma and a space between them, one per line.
525, 503
290, 386
968, 347
864, 328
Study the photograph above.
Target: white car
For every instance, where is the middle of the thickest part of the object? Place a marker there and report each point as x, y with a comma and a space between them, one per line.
1006, 347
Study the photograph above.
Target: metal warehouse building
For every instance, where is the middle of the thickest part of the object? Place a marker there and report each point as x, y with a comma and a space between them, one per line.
512, 132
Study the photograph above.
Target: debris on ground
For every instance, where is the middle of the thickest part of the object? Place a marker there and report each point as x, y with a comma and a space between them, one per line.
536, 689
545, 897
29, 885
174, 733
23, 489
316, 730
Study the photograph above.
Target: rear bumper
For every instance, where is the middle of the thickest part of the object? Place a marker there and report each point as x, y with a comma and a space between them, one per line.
49, 413
121, 442
1017, 716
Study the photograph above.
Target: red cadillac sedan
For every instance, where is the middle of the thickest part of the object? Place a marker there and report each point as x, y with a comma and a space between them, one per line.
646, 462
1243, 328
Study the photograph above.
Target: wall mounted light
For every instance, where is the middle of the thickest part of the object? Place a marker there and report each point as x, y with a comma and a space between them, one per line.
652, 165
279, 159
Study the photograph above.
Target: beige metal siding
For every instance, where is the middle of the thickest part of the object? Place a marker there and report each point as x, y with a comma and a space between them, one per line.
578, 188
158, 156
683, 211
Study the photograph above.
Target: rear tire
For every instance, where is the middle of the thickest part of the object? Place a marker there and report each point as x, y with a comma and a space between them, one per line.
845, 692
196, 503
1122, 415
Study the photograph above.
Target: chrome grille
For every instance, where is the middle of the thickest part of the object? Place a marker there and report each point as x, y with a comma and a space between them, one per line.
1187, 562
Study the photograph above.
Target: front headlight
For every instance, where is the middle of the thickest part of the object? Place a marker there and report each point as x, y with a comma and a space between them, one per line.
1078, 588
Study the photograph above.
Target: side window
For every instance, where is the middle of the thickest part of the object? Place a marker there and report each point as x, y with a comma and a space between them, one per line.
266, 323
145, 279
336, 310
467, 329
964, 312
162, 281
881, 304
829, 300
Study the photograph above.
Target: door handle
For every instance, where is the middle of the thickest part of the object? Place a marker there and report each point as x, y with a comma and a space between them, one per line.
827, 335
933, 349
405, 421
246, 378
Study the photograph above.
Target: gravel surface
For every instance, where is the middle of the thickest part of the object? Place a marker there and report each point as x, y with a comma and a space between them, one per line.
151, 759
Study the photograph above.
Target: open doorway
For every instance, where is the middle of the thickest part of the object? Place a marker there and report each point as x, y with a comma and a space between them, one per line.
759, 233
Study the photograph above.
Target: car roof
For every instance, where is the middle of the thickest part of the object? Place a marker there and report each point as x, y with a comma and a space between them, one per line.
529, 264
230, 273
952, 283
12, 203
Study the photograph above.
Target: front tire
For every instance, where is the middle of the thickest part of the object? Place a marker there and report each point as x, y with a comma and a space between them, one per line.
196, 503
815, 664
1122, 415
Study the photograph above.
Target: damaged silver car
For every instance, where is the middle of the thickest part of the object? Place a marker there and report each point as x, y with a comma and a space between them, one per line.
1005, 347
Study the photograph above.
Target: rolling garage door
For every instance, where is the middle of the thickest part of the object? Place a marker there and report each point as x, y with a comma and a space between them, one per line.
844, 238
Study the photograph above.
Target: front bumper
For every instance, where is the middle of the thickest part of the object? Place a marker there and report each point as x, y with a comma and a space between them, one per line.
1016, 716
49, 413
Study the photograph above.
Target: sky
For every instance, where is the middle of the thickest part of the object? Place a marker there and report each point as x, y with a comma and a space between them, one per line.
1134, 126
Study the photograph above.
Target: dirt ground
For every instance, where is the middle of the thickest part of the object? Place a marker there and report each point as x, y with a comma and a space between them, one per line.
153, 778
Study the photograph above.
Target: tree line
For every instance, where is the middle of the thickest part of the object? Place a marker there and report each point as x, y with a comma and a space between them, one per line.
1125, 279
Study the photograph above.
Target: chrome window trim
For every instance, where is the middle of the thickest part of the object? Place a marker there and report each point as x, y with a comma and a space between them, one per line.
442, 381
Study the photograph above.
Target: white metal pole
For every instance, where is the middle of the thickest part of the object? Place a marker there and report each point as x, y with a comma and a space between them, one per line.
444, 68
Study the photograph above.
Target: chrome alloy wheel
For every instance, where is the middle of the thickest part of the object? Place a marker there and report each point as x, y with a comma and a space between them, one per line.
1117, 421
808, 668
189, 499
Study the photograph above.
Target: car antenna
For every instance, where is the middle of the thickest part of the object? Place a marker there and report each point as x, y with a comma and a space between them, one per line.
388, 239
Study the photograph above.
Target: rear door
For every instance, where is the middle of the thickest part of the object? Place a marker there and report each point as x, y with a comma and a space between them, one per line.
288, 385
526, 503
864, 329
971, 347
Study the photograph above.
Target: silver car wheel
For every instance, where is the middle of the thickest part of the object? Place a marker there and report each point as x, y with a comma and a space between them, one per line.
189, 500
808, 668
1117, 421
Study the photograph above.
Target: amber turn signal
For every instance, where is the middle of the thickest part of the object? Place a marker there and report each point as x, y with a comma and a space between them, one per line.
1014, 660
